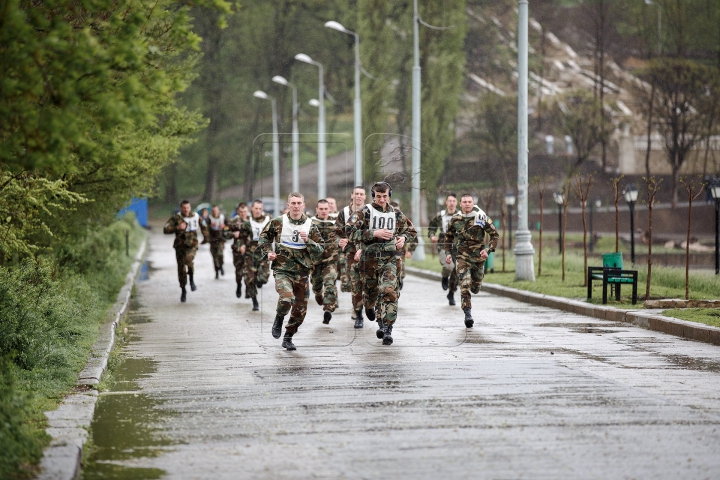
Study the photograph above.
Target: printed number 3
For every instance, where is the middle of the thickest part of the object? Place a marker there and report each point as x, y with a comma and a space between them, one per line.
295, 236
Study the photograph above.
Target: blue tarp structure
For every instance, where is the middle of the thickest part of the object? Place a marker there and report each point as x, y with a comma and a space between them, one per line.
139, 206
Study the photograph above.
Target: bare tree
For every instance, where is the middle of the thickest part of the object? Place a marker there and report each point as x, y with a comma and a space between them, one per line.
616, 198
581, 184
651, 188
693, 188
541, 186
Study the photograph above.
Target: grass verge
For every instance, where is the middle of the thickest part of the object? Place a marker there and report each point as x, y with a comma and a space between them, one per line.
707, 316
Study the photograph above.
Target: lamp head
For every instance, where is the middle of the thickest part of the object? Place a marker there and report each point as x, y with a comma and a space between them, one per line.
558, 197
314, 102
260, 94
335, 26
630, 193
280, 80
714, 188
510, 199
301, 57
598, 203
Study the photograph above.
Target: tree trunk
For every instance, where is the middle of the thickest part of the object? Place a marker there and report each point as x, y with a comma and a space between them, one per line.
649, 130
674, 185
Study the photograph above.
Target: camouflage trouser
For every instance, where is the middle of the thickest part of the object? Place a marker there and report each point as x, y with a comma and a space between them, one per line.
345, 285
291, 288
257, 271
216, 250
185, 258
324, 276
380, 279
401, 273
356, 281
239, 262
470, 273
448, 270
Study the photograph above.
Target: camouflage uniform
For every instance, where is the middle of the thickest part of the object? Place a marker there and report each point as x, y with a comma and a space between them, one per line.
235, 225
256, 266
411, 246
355, 284
324, 272
217, 240
186, 242
291, 268
441, 222
379, 263
466, 232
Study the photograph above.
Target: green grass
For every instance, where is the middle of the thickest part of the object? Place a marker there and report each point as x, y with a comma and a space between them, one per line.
667, 282
51, 310
708, 316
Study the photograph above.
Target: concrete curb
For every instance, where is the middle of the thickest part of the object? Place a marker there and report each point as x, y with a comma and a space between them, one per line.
68, 425
640, 318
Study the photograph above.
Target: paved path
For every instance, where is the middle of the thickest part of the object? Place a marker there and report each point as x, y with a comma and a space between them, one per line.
530, 392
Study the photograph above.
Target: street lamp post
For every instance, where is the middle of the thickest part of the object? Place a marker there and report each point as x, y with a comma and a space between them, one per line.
322, 175
558, 197
524, 251
276, 148
715, 192
510, 201
593, 206
357, 106
295, 134
631, 194
659, 28
419, 253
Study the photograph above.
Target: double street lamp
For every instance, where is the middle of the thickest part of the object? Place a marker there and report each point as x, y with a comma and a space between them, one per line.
295, 133
322, 176
357, 106
631, 195
714, 188
276, 148
510, 202
559, 199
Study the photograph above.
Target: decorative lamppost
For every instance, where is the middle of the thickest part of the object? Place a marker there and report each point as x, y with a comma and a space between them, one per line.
295, 133
322, 175
510, 202
357, 106
559, 199
276, 149
593, 206
631, 194
715, 192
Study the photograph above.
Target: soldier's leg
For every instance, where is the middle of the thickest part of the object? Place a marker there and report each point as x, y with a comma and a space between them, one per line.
387, 291
344, 273
213, 253
190, 264
356, 283
181, 269
284, 286
316, 279
239, 265
478, 273
453, 279
465, 280
368, 270
299, 306
329, 276
249, 271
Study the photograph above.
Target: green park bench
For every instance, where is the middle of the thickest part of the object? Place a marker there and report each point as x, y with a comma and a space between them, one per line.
612, 273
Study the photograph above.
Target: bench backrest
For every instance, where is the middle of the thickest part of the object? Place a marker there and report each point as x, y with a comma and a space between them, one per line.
612, 260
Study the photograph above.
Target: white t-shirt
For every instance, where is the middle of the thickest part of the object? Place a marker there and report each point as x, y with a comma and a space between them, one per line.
257, 227
290, 234
216, 222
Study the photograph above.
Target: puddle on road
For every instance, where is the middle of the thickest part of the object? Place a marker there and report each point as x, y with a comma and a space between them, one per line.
597, 328
691, 363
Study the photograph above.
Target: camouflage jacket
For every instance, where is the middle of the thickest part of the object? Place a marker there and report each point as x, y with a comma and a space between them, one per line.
341, 231
329, 239
291, 260
466, 232
185, 239
359, 230
435, 227
246, 234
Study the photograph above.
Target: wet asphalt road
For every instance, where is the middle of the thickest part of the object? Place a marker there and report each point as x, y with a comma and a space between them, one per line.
529, 392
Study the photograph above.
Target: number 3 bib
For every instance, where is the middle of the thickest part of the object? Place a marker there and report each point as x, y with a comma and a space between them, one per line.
290, 235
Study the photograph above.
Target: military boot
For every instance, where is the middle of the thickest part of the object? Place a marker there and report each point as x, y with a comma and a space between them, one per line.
445, 284
451, 298
387, 335
256, 305
287, 341
222, 271
380, 332
192, 283
326, 317
217, 273
468, 318
238, 290
183, 296
277, 326
358, 318
370, 312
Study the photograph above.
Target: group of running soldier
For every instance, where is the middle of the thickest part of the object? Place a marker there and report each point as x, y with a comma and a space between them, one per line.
365, 244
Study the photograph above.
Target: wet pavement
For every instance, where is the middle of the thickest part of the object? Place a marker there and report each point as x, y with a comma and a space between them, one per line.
529, 392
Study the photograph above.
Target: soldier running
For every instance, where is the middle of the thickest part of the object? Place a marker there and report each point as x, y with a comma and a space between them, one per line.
185, 225
324, 272
381, 232
257, 266
298, 245
467, 231
352, 281
440, 222
216, 225
238, 249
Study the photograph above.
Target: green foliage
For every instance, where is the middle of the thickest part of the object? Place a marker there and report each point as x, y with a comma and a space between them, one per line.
707, 316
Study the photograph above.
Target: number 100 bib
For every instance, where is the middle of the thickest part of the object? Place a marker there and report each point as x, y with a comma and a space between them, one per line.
381, 220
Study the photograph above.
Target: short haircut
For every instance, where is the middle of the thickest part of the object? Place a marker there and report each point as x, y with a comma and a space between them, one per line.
381, 187
322, 200
241, 205
257, 200
451, 194
216, 206
296, 194
467, 195
185, 202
